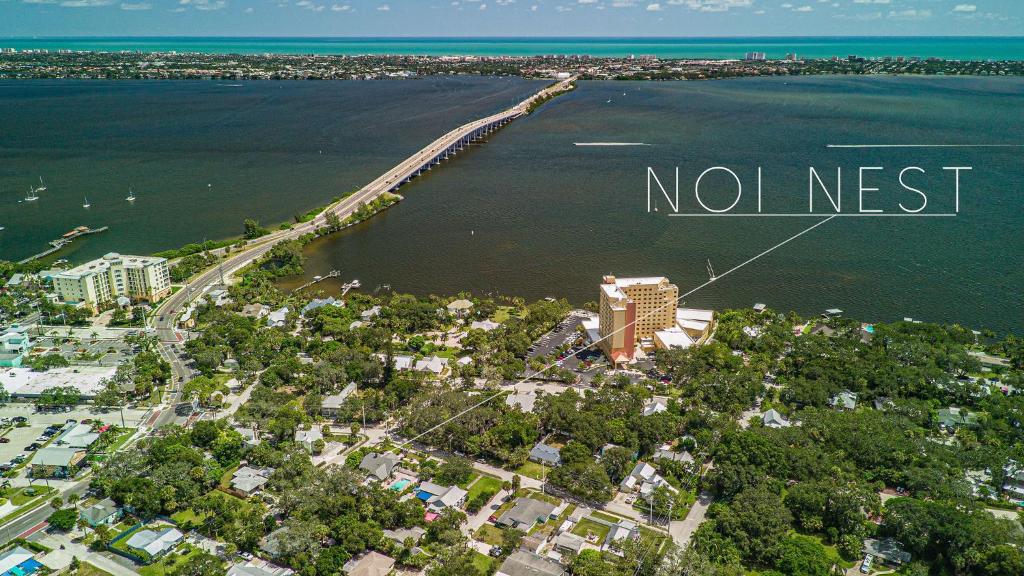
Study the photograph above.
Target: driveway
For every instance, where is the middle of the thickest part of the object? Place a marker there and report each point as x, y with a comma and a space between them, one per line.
682, 530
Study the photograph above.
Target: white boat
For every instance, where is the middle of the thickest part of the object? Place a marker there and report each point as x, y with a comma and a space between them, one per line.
86, 203
32, 194
131, 195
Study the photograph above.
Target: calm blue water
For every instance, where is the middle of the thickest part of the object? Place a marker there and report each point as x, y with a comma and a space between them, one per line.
973, 48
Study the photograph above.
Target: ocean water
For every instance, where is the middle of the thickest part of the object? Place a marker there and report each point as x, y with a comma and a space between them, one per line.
203, 156
529, 213
974, 48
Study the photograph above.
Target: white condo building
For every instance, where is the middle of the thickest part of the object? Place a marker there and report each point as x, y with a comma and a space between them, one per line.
105, 279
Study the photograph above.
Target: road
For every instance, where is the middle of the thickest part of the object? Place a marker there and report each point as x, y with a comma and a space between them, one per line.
168, 311
23, 523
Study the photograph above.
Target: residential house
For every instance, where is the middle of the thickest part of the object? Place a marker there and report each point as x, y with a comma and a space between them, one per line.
155, 543
331, 405
369, 313
644, 479
485, 325
888, 550
569, 542
523, 563
278, 318
320, 303
15, 343
621, 530
657, 405
433, 364
1013, 484
255, 311
308, 438
774, 419
666, 453
547, 455
953, 417
105, 512
845, 400
18, 562
400, 535
460, 308
219, 297
248, 480
437, 498
380, 466
258, 567
372, 563
249, 435
525, 513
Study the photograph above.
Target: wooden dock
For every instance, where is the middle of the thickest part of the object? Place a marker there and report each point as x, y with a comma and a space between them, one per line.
63, 241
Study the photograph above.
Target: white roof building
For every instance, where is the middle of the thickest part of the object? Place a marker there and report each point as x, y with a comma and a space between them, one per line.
644, 478
485, 325
155, 543
657, 405
24, 383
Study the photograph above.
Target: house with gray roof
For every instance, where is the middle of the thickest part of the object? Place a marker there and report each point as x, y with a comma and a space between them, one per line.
379, 466
523, 563
547, 455
331, 405
248, 480
155, 543
105, 512
437, 497
888, 550
845, 400
774, 419
525, 513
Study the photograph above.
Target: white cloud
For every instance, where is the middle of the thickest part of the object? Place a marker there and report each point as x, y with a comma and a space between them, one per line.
910, 14
803, 9
712, 5
965, 8
136, 6
86, 3
871, 1
654, 7
341, 8
383, 8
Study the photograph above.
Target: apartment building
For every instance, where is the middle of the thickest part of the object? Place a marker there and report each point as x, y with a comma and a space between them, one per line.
103, 280
631, 310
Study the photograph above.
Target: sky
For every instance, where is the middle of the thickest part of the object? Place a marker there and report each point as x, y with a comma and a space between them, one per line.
38, 18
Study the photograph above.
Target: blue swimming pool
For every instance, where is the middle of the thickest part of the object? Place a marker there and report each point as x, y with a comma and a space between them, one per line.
400, 485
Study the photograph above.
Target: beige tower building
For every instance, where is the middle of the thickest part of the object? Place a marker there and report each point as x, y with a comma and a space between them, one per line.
632, 310
105, 279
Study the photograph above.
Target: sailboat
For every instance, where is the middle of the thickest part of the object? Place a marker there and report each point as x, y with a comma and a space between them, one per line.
711, 271
32, 194
86, 203
131, 195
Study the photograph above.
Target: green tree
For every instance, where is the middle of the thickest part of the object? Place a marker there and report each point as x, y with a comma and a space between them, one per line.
63, 519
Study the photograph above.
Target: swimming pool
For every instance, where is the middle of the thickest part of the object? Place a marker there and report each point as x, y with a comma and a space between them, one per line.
400, 485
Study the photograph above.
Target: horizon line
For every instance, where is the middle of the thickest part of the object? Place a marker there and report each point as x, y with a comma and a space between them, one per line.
515, 37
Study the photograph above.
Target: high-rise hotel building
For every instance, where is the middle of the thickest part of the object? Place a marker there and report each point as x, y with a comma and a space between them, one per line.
105, 279
632, 310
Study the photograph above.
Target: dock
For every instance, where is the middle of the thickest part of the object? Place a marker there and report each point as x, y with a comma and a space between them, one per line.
64, 240
316, 279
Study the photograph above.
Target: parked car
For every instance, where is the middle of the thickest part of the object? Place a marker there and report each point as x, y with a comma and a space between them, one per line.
4, 440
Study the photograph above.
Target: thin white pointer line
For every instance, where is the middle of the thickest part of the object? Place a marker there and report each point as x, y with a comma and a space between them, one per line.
649, 314
924, 145
798, 215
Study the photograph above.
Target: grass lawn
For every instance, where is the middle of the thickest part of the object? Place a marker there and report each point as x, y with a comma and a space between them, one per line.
19, 497
484, 484
86, 569
472, 478
531, 469
586, 525
482, 563
225, 480
490, 534
118, 442
161, 567
604, 516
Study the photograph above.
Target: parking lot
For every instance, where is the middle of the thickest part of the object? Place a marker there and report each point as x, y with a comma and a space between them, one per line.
37, 422
105, 351
563, 334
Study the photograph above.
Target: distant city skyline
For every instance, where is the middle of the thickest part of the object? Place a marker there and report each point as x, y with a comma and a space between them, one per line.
518, 18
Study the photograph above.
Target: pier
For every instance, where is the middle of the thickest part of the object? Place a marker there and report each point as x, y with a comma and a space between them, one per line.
63, 241
316, 279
